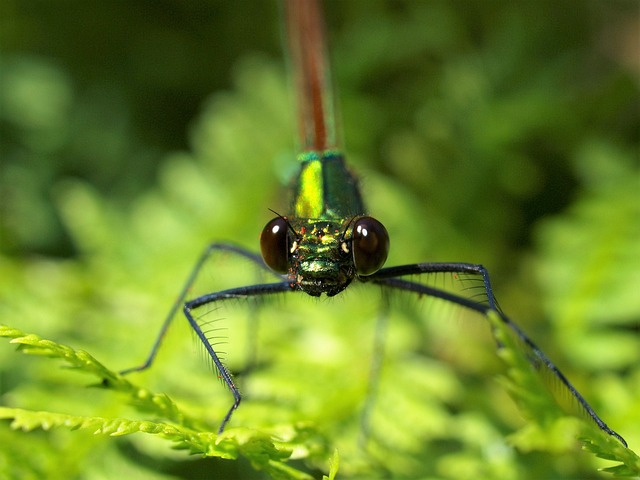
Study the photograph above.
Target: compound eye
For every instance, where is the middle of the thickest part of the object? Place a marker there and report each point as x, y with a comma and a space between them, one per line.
274, 245
370, 245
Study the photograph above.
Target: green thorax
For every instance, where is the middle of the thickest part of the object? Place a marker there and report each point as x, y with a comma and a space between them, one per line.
325, 188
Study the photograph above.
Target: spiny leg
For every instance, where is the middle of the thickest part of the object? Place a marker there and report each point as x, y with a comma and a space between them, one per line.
534, 355
449, 267
211, 249
210, 298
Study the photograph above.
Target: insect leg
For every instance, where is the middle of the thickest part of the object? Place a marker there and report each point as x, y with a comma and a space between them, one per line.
212, 248
235, 293
543, 366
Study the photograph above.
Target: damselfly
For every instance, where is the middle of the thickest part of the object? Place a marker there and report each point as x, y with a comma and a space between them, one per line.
327, 240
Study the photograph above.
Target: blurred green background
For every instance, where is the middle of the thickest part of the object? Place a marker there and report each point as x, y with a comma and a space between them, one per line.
133, 133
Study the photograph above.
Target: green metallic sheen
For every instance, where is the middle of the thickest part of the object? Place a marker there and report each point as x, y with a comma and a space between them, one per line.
320, 259
325, 188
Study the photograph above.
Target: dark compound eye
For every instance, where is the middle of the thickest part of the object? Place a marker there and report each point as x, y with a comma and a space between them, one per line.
274, 245
370, 245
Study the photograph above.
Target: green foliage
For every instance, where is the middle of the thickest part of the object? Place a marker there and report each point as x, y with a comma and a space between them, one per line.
186, 434
482, 132
333, 470
259, 447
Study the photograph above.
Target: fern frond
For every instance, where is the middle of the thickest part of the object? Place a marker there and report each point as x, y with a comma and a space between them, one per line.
142, 399
257, 447
603, 446
264, 452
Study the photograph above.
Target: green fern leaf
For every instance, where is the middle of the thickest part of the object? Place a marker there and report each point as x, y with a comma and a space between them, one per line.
258, 448
145, 401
